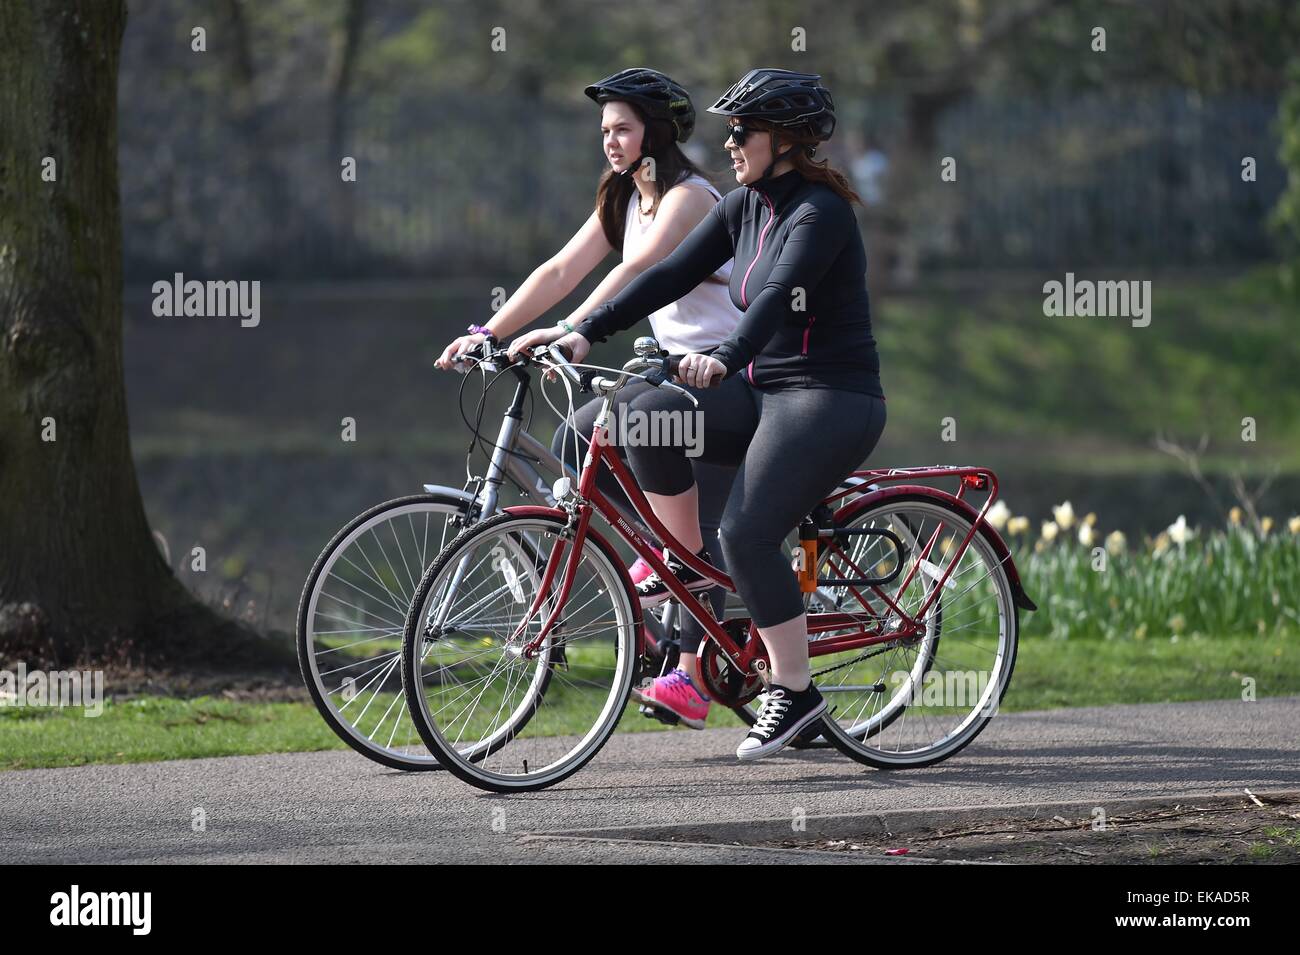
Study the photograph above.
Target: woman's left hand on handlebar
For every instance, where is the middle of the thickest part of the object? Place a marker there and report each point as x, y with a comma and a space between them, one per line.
699, 370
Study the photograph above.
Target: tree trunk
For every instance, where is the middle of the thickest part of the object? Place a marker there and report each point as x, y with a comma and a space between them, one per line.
342, 207
80, 575
911, 185
349, 45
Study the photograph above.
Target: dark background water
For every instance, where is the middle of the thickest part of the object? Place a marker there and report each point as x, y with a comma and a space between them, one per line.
236, 433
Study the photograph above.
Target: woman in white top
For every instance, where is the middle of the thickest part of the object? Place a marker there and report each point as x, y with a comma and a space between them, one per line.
648, 200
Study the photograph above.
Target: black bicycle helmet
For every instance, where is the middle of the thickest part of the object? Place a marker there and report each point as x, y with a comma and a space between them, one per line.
657, 95
795, 101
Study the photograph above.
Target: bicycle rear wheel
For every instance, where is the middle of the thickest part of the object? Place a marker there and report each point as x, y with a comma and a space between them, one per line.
494, 715
919, 699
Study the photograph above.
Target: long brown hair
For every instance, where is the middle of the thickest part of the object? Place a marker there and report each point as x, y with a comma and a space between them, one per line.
615, 189
811, 169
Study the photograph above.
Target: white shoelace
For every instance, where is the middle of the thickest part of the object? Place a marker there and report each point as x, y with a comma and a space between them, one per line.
651, 582
774, 708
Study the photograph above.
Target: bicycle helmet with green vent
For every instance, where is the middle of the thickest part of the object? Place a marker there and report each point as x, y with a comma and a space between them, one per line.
658, 96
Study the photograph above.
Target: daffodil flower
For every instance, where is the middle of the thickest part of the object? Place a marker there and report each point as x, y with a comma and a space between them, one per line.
1179, 532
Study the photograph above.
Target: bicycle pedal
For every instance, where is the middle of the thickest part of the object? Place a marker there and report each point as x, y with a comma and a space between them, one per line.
654, 713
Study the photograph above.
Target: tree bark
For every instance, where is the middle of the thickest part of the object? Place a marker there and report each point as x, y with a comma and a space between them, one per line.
80, 575
349, 45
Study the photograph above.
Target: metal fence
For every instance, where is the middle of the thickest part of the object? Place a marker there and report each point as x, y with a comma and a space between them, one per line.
1149, 178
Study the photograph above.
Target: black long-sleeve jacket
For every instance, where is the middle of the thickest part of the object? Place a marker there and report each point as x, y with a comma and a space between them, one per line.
799, 277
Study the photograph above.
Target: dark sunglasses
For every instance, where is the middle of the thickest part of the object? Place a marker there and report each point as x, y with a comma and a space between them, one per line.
740, 132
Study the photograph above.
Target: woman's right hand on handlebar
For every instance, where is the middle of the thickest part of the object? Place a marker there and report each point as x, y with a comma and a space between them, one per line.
571, 342
466, 343
538, 336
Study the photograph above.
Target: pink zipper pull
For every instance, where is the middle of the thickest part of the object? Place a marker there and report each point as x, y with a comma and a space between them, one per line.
806, 331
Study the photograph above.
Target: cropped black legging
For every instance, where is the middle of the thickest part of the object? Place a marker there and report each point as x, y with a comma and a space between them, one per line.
714, 481
793, 446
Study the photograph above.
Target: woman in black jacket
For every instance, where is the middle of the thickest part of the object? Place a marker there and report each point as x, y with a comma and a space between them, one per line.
800, 404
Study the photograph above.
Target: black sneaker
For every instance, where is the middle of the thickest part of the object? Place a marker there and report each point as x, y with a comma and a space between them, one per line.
783, 715
653, 590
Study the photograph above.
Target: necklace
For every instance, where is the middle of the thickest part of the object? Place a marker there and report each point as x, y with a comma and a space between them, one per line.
644, 212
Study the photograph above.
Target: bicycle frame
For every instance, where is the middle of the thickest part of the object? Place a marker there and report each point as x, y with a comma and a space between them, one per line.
578, 509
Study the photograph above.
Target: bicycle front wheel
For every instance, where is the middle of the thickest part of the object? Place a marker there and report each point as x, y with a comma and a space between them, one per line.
498, 712
351, 618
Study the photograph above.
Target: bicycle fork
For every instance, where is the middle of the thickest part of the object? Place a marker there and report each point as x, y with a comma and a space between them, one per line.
570, 560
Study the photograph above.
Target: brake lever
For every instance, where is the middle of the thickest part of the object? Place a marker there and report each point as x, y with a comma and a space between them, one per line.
668, 384
563, 363
656, 376
465, 362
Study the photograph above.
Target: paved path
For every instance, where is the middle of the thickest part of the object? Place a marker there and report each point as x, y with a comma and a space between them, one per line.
337, 806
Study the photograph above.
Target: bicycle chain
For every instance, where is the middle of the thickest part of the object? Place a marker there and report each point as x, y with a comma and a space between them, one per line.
848, 663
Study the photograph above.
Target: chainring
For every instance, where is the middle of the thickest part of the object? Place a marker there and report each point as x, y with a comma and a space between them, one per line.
724, 682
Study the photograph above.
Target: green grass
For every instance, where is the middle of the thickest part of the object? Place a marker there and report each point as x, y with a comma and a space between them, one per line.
1049, 674
1098, 672
155, 728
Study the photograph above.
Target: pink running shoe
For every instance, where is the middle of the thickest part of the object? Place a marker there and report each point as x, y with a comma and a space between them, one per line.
640, 570
676, 693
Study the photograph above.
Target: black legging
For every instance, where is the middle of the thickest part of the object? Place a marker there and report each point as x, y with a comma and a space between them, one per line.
714, 481
794, 445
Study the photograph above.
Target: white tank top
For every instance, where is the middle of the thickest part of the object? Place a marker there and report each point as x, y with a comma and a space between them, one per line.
701, 318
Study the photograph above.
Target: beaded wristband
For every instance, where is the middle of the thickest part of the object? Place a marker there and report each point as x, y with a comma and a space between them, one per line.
482, 330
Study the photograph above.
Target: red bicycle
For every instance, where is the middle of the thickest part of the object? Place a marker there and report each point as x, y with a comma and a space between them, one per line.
524, 638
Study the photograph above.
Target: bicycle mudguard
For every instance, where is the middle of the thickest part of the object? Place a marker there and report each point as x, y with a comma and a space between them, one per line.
449, 490
988, 530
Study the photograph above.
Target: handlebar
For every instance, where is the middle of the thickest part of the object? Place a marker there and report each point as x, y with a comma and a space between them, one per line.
553, 357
